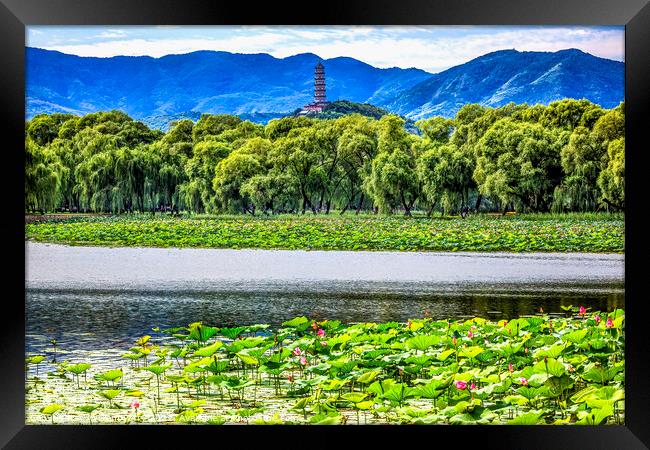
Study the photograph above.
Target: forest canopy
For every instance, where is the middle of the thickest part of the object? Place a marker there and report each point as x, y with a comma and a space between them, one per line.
567, 156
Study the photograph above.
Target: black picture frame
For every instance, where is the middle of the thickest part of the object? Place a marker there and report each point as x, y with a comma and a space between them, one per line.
16, 14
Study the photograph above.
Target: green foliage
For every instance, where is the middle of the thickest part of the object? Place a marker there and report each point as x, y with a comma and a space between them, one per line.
567, 156
562, 233
611, 180
78, 369
520, 162
113, 375
529, 418
390, 374
52, 409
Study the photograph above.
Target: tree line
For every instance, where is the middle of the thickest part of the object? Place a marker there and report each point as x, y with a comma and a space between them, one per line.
567, 156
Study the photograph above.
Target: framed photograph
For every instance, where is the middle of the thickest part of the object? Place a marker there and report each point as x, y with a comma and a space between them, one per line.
416, 214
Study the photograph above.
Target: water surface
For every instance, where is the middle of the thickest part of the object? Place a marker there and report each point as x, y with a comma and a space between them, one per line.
96, 297
103, 319
158, 268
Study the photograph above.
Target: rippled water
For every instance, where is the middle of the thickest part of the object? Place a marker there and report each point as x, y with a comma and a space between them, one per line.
96, 297
108, 318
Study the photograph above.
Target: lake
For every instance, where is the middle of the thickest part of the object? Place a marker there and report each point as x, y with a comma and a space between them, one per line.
93, 297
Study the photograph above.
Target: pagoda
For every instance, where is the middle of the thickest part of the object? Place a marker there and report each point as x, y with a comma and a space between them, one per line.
320, 100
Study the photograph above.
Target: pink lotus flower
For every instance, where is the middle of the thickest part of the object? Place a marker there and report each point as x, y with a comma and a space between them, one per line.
582, 311
597, 318
470, 334
511, 368
303, 361
526, 350
320, 332
524, 382
297, 351
460, 384
323, 343
609, 323
473, 386
135, 404
454, 340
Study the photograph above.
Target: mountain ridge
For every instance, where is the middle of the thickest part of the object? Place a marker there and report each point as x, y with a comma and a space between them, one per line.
260, 84
520, 77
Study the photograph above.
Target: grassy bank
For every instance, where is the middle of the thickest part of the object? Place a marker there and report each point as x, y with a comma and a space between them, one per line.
525, 233
537, 369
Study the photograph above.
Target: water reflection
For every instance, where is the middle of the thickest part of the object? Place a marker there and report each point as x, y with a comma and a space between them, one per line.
101, 319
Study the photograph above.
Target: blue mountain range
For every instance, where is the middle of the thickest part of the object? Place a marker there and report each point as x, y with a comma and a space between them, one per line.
260, 85
498, 78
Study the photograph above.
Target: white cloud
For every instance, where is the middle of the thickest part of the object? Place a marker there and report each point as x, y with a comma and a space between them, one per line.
111, 34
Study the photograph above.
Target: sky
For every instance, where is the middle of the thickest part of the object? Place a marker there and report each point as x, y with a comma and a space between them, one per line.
431, 48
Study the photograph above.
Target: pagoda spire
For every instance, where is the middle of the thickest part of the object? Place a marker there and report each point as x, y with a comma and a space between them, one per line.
320, 100
319, 84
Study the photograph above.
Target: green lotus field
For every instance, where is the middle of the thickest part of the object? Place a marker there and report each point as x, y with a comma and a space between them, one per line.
601, 233
540, 369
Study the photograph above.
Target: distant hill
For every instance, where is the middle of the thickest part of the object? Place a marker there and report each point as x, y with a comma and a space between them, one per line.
507, 76
341, 108
203, 81
260, 86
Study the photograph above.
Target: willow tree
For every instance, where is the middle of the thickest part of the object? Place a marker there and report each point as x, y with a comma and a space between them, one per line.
232, 172
445, 174
96, 179
327, 175
357, 146
519, 162
471, 123
41, 177
582, 160
272, 192
436, 129
610, 129
94, 174
612, 179
237, 136
198, 191
67, 198
279, 128
213, 125
392, 182
586, 156
44, 128
298, 155
172, 152
568, 114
